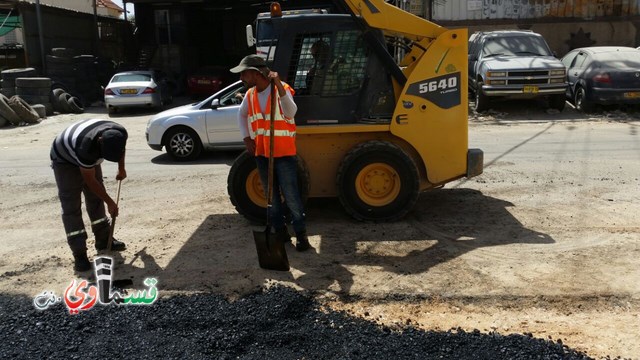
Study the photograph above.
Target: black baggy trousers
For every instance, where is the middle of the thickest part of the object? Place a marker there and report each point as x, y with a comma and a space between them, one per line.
70, 187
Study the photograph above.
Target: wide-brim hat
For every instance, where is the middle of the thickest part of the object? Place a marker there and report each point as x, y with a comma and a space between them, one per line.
250, 62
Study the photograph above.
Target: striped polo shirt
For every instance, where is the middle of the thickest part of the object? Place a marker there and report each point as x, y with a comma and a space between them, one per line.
78, 143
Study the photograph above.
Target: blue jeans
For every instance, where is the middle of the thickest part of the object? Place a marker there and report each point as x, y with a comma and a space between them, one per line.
285, 182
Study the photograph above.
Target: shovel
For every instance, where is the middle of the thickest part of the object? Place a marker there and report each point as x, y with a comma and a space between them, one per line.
271, 252
113, 220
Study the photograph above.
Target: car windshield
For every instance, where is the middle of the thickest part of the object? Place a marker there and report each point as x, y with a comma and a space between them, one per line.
516, 45
619, 59
131, 77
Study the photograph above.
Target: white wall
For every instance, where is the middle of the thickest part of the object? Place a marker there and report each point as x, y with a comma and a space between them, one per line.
85, 6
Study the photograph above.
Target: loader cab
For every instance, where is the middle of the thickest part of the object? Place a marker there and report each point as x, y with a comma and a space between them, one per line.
325, 58
265, 40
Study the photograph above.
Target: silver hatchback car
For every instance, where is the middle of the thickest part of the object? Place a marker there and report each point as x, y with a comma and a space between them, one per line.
210, 124
137, 89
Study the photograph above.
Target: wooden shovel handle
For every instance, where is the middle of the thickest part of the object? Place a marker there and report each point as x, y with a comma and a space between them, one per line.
113, 219
271, 149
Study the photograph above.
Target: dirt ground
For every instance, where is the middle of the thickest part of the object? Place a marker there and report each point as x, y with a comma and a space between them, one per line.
544, 242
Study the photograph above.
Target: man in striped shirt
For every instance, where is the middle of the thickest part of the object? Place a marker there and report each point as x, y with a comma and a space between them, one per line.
76, 155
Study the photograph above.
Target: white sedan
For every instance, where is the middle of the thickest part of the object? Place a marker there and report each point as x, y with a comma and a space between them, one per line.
210, 124
137, 89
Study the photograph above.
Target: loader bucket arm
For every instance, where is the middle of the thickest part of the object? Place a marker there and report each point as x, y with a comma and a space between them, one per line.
391, 20
432, 100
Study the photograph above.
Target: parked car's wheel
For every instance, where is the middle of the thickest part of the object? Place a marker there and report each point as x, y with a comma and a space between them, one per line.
581, 102
182, 144
482, 100
557, 101
377, 180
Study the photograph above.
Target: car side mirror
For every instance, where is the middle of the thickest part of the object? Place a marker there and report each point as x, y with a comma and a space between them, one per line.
215, 103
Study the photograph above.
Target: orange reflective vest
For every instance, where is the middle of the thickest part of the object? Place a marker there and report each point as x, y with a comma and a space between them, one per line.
285, 127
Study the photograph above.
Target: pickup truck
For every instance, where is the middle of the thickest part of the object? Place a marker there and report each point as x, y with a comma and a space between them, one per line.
514, 64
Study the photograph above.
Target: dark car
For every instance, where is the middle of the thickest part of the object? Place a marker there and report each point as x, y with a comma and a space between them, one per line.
208, 80
603, 75
514, 64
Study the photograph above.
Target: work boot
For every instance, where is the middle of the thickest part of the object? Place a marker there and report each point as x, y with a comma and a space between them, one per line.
302, 242
283, 235
82, 262
115, 245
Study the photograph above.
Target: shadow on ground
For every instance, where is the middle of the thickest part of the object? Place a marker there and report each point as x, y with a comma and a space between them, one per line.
206, 157
220, 255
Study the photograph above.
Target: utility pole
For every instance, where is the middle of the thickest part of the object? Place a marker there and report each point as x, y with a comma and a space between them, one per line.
41, 36
95, 20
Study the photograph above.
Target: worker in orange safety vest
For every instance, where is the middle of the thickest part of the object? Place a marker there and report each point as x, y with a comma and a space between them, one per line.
254, 123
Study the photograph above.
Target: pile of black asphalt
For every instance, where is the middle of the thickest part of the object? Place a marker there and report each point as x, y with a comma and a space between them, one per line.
275, 323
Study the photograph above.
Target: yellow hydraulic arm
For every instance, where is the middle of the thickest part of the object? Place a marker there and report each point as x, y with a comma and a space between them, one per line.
430, 83
394, 21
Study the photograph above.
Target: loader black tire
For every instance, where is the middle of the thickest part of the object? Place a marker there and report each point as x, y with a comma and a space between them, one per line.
246, 191
7, 112
24, 110
377, 181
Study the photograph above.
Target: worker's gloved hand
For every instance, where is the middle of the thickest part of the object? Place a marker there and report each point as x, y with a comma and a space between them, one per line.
250, 144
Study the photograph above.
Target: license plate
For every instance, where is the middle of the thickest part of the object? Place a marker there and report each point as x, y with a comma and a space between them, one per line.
529, 89
632, 95
204, 82
128, 91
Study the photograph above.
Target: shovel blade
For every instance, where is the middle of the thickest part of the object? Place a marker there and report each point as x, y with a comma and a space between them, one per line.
271, 252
